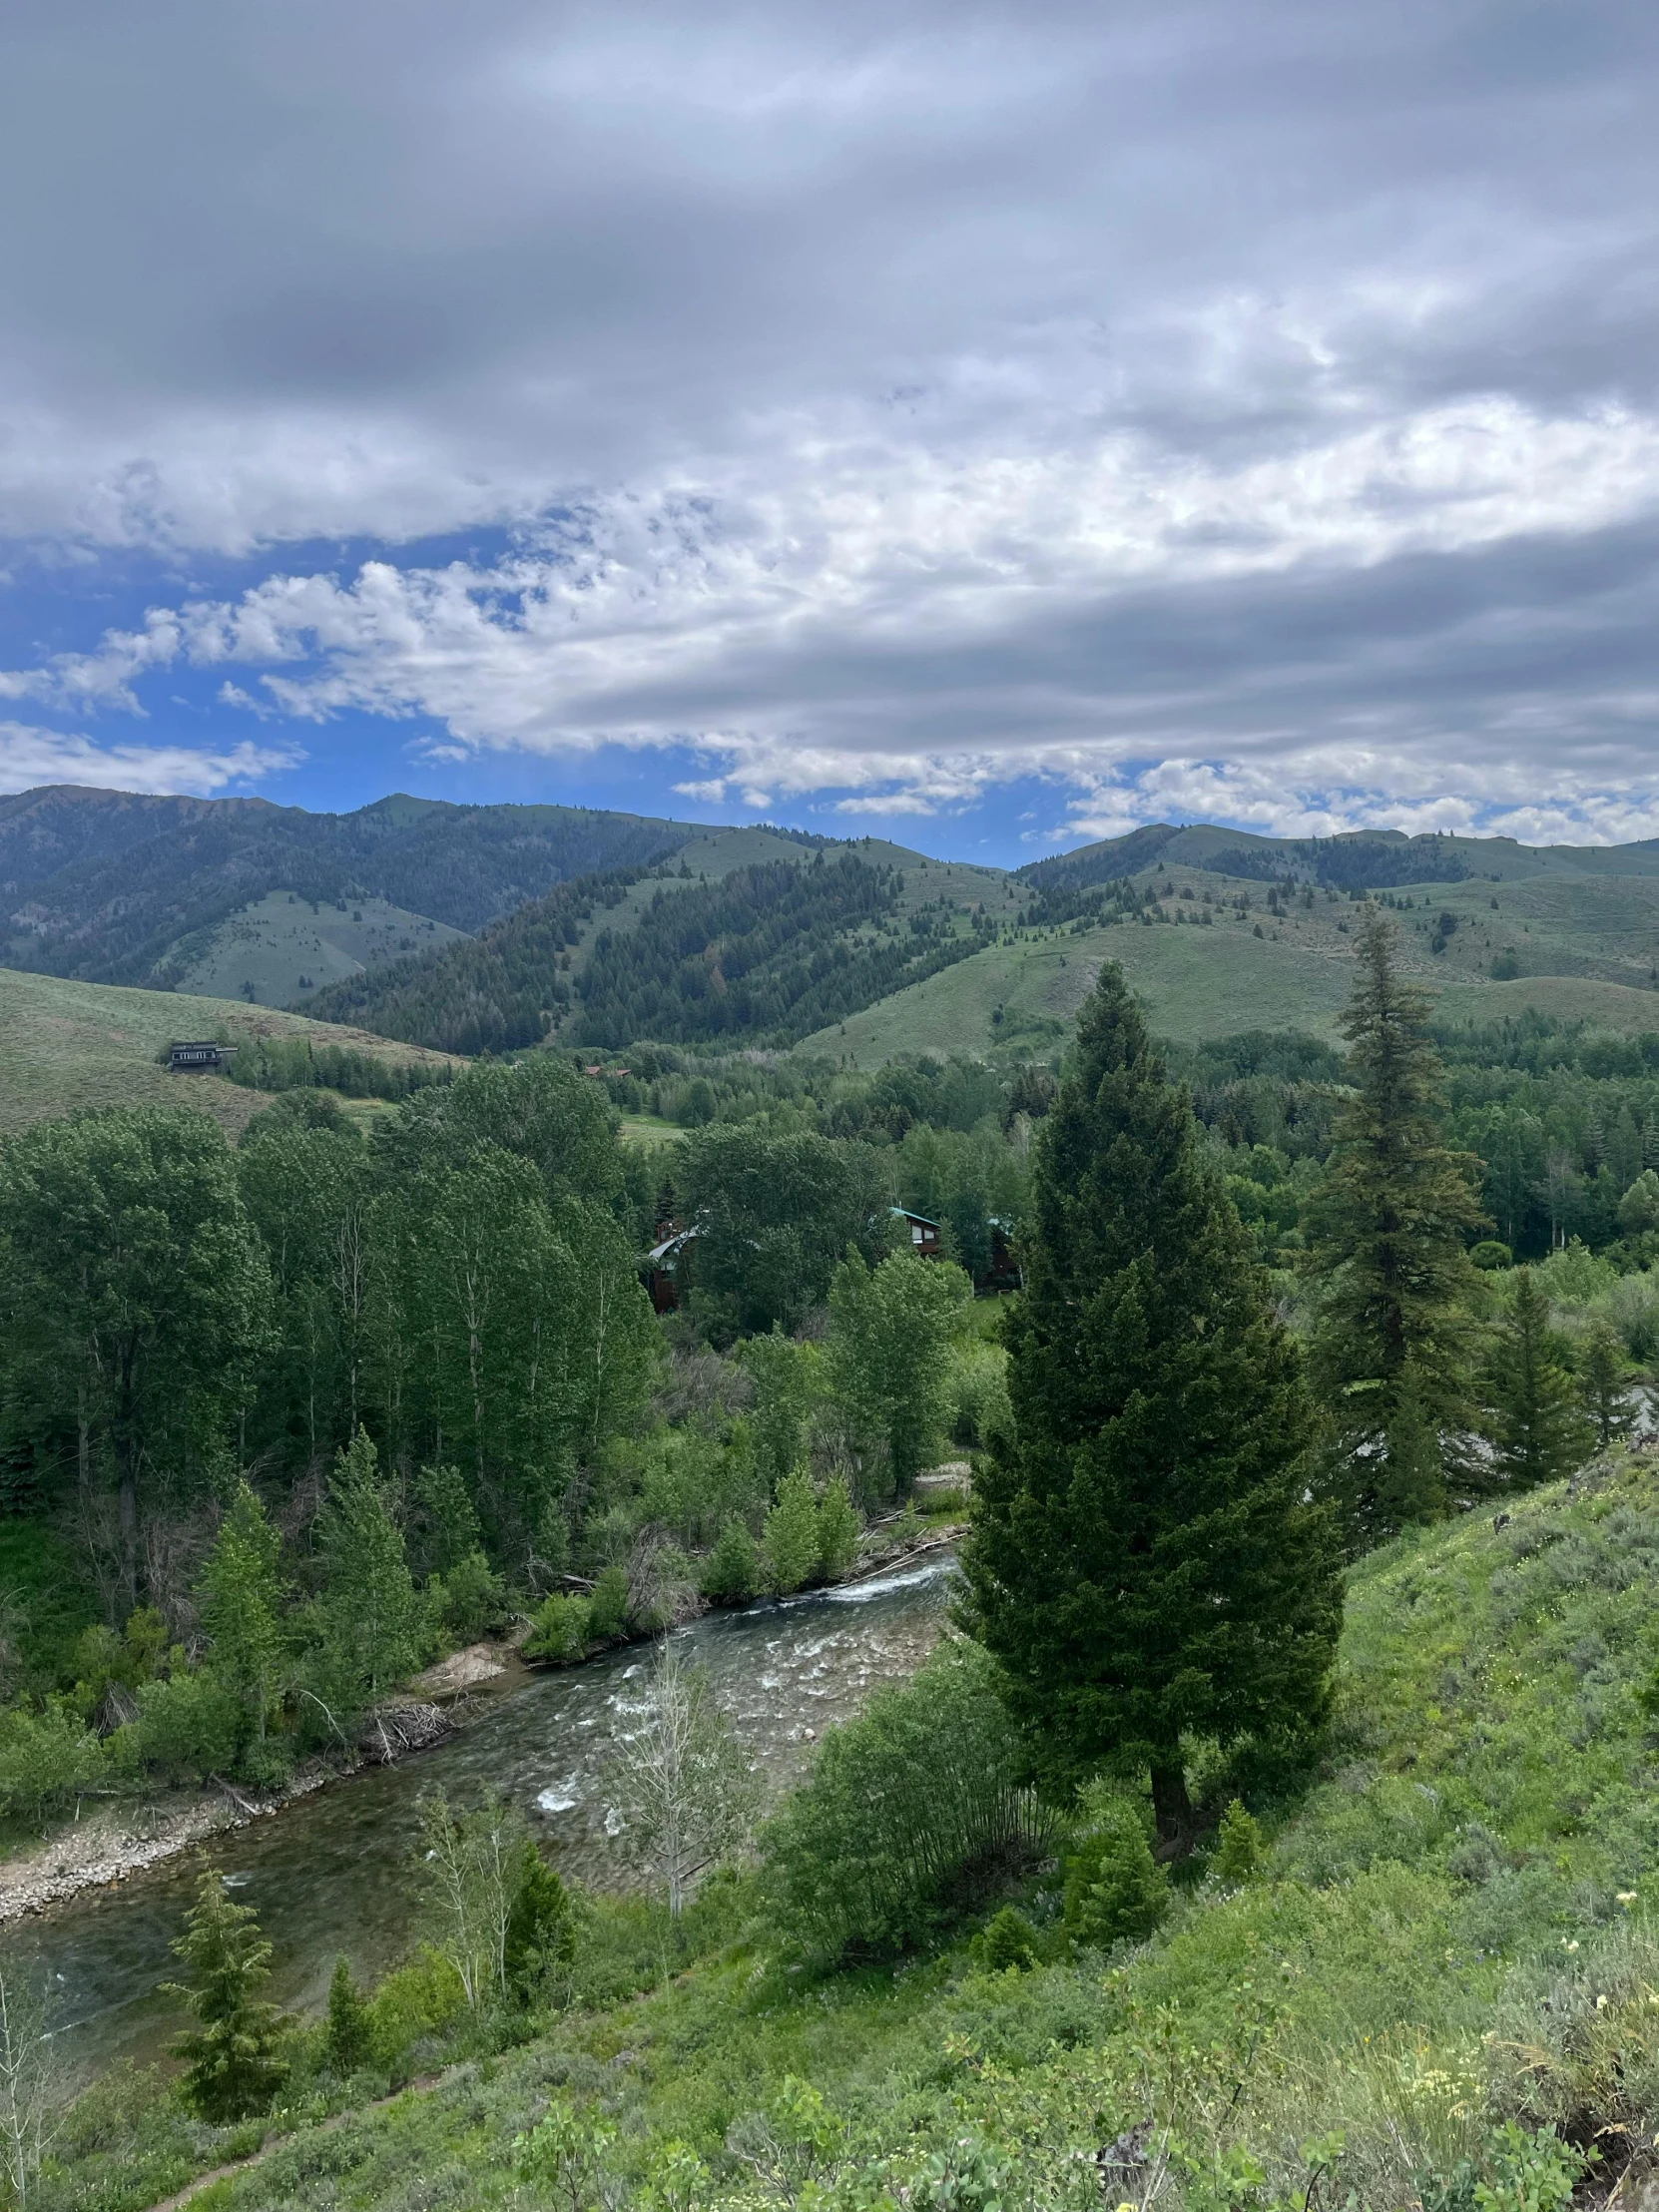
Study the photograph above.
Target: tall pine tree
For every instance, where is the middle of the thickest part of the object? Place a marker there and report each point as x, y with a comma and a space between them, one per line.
1146, 1558
1534, 1418
1388, 1224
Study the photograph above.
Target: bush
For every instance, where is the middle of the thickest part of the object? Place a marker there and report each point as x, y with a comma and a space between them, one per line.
467, 1599
1239, 1848
562, 1630
187, 1727
732, 1571
1114, 1886
608, 1607
1490, 1253
789, 1544
46, 1760
978, 1392
1006, 1943
913, 1809
418, 2000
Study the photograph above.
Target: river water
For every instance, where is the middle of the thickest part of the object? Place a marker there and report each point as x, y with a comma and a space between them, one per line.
330, 1874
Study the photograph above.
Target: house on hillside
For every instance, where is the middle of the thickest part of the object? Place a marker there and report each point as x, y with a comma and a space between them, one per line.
667, 1269
924, 1234
199, 1055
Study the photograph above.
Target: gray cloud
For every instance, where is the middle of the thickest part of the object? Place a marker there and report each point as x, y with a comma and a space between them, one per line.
1262, 399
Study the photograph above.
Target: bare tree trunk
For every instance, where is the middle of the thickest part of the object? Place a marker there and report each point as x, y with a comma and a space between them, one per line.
1173, 1809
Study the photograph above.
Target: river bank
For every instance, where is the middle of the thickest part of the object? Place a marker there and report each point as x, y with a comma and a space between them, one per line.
110, 1841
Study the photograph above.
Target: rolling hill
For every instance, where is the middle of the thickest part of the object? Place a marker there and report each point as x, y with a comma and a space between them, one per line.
466, 929
113, 888
66, 1045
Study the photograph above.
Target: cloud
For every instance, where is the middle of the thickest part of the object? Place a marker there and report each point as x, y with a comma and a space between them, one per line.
1252, 412
30, 755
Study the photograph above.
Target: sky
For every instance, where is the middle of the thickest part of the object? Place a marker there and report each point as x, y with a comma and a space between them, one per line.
989, 425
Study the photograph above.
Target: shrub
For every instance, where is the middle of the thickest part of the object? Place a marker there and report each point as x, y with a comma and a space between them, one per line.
1489, 1254
913, 1809
608, 1607
839, 1529
562, 1630
187, 1727
1114, 1886
1008, 1942
789, 1544
416, 2001
1239, 1848
468, 1598
732, 1571
46, 1759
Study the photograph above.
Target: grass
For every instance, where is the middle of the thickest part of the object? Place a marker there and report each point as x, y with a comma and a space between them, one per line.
1450, 1939
65, 1046
1592, 943
268, 950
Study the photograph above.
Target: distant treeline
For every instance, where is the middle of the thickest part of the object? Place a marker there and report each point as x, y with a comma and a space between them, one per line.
300, 1063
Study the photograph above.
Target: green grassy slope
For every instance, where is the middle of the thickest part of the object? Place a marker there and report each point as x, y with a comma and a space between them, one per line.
1196, 983
66, 1045
1585, 948
1450, 1938
276, 943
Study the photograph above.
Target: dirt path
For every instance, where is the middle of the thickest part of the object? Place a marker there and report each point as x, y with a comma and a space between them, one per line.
423, 2087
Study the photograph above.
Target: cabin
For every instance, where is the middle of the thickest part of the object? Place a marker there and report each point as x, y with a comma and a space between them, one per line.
924, 1234
667, 1269
199, 1055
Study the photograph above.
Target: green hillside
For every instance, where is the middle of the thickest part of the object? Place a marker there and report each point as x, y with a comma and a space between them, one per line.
1438, 1991
277, 948
66, 1046
1217, 959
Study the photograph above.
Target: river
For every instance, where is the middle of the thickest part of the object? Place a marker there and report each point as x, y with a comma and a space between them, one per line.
330, 1874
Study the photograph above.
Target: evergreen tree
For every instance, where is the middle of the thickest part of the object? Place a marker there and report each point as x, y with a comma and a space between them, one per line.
1533, 1416
1601, 1383
348, 2035
234, 2060
242, 1610
1386, 1226
1114, 1886
541, 1928
374, 1622
1146, 1559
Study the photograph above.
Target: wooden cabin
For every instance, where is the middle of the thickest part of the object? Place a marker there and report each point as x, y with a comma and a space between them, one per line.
199, 1055
924, 1234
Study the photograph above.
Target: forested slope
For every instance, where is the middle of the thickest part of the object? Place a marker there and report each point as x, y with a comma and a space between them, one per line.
762, 955
100, 886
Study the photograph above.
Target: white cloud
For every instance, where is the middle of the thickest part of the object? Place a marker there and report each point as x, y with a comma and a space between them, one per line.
30, 755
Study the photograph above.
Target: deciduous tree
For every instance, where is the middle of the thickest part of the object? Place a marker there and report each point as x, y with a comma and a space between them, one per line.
893, 1332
